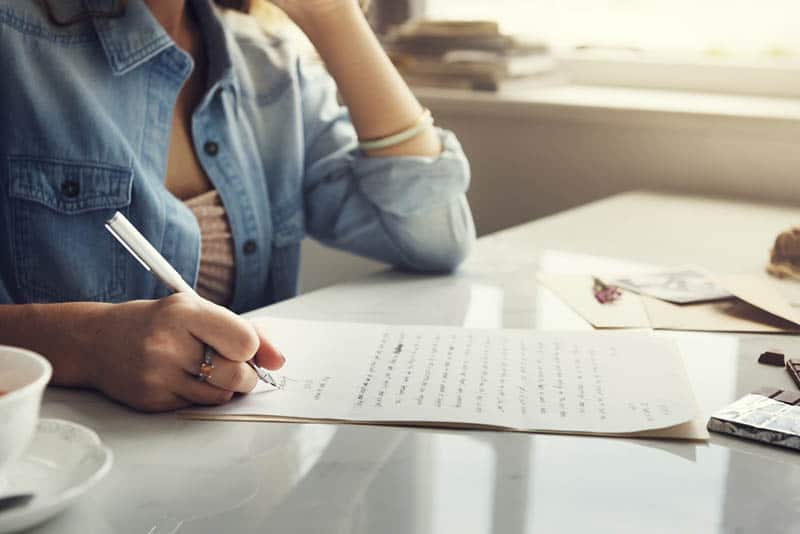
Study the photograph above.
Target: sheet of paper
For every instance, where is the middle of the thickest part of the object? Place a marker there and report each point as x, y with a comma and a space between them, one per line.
584, 382
680, 285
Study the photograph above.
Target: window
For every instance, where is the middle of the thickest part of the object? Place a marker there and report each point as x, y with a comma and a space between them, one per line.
715, 28
727, 46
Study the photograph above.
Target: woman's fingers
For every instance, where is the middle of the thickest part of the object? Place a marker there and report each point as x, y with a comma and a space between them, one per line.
173, 402
197, 392
232, 376
230, 335
164, 402
267, 355
234, 341
226, 374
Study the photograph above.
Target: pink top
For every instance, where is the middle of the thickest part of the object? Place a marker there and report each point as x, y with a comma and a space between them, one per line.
217, 270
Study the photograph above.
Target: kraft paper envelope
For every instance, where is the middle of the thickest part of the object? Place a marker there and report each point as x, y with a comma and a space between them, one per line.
778, 297
760, 310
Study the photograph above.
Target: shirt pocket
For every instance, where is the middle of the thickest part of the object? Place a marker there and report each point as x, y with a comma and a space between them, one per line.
62, 251
288, 231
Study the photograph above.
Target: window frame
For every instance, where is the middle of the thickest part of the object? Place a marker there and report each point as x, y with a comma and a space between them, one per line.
700, 75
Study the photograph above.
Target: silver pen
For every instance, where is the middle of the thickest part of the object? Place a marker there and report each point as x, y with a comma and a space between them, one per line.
141, 249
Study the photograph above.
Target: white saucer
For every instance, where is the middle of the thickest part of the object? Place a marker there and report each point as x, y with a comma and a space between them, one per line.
62, 462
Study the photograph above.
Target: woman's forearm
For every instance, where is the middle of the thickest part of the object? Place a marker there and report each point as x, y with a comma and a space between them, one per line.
379, 101
62, 333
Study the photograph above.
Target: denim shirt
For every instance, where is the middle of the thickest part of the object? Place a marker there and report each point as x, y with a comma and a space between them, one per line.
85, 118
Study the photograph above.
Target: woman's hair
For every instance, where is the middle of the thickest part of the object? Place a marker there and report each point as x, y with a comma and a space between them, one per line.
119, 10
121, 5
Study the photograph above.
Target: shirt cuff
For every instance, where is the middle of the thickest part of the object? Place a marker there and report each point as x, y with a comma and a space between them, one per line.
405, 185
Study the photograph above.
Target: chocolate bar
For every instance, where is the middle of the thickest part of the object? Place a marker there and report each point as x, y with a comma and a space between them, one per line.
767, 392
788, 397
780, 395
793, 368
770, 415
772, 358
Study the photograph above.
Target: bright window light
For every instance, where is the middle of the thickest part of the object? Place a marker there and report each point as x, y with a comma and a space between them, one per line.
733, 29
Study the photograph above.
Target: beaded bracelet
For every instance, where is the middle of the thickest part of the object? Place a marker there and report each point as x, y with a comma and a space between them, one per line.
424, 122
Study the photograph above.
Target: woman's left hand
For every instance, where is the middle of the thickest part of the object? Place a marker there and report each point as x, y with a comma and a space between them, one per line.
308, 14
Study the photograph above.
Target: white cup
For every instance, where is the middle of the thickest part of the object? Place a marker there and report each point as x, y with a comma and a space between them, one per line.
23, 377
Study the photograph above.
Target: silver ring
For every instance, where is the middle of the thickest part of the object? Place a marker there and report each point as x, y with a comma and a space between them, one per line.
208, 354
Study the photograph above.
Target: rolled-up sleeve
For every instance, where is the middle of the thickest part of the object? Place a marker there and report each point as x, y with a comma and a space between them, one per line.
411, 212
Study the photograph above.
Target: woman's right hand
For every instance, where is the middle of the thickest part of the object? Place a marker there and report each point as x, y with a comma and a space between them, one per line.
147, 353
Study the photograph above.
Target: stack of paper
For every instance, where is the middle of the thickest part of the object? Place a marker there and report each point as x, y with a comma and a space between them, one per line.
582, 383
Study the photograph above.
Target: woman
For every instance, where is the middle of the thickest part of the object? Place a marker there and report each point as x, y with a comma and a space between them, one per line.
199, 127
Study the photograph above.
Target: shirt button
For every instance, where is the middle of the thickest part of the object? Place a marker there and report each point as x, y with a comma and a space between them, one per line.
249, 247
70, 188
211, 148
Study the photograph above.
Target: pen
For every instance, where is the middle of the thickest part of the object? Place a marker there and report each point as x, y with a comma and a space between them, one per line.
141, 249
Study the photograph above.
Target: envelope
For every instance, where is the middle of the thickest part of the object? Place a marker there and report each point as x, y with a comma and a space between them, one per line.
762, 306
780, 297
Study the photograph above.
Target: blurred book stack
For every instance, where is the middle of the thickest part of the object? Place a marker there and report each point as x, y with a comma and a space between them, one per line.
465, 55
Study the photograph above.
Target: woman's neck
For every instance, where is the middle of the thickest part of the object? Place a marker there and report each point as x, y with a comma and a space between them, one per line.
172, 15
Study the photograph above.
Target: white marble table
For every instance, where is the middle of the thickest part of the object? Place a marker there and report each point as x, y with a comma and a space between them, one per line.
176, 476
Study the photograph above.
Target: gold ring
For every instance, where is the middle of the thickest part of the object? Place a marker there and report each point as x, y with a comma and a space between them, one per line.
206, 365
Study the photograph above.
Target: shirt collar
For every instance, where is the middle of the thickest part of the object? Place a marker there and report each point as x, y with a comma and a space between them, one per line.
133, 39
130, 40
